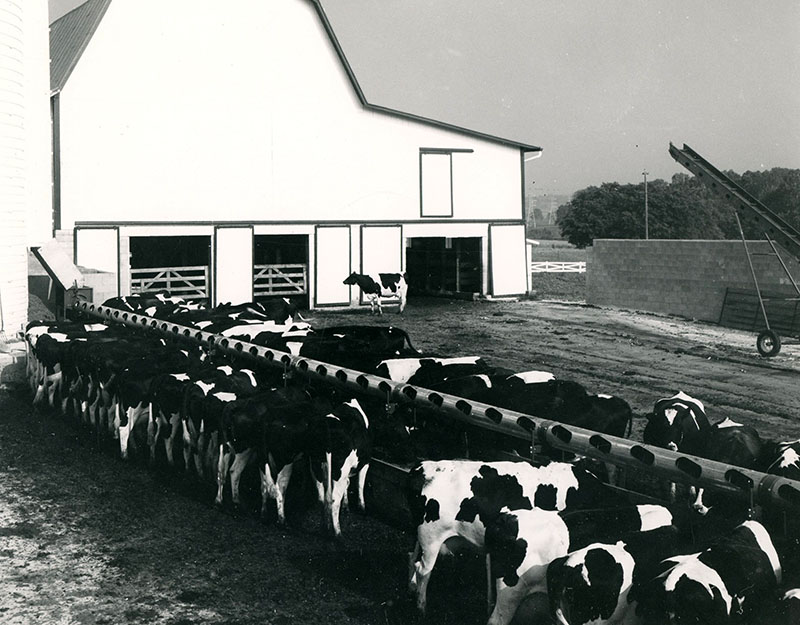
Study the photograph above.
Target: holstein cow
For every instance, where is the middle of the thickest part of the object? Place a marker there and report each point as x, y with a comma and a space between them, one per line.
781, 458
789, 607
458, 498
731, 443
677, 423
430, 370
203, 404
522, 543
723, 584
357, 347
600, 583
382, 285
339, 444
283, 443
269, 428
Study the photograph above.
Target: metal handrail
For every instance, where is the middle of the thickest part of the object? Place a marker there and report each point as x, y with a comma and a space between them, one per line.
760, 487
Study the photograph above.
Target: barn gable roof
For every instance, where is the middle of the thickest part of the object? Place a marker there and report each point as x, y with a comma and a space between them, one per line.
382, 109
70, 34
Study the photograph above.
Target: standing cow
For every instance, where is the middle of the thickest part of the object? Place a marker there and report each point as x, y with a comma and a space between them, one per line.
726, 583
381, 285
339, 444
459, 498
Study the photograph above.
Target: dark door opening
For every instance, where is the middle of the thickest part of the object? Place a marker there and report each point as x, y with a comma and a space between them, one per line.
280, 267
444, 265
177, 264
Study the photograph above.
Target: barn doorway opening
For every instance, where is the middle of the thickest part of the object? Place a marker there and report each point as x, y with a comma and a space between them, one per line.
443, 265
280, 267
177, 264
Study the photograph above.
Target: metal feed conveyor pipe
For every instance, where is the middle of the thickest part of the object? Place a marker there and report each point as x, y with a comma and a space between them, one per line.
759, 487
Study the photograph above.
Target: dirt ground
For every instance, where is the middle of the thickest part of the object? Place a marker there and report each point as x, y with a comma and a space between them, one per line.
86, 538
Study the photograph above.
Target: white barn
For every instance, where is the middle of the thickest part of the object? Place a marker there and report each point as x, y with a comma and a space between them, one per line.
235, 147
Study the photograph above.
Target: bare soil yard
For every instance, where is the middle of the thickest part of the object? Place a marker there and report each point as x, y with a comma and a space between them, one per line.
86, 538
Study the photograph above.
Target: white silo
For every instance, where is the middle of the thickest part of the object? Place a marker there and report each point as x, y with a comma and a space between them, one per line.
24, 151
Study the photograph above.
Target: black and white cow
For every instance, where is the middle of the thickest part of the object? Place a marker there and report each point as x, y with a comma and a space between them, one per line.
731, 443
430, 370
678, 423
339, 445
722, 584
283, 443
599, 583
788, 608
781, 458
381, 285
522, 543
203, 404
458, 498
269, 428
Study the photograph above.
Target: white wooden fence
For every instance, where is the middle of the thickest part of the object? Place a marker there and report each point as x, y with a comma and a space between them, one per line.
190, 283
279, 280
549, 266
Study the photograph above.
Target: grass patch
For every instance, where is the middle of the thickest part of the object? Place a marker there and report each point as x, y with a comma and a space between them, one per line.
564, 286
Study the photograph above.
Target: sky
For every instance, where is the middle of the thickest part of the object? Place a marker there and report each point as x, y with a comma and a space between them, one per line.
602, 87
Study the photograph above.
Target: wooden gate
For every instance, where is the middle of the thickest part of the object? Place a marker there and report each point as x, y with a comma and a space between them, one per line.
271, 280
190, 283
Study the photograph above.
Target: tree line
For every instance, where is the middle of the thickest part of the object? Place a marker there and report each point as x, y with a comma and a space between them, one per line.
683, 208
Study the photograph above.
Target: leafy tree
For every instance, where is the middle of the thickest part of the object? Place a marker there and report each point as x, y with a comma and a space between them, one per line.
681, 209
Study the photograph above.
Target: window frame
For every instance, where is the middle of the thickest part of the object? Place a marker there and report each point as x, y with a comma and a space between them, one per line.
423, 152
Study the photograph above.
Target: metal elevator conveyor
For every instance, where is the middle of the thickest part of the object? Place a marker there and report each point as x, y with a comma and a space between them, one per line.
758, 488
751, 211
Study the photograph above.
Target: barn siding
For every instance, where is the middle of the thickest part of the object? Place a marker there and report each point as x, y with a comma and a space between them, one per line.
686, 278
251, 118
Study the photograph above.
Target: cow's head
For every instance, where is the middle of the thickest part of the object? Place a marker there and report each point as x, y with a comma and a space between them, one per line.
676, 423
351, 279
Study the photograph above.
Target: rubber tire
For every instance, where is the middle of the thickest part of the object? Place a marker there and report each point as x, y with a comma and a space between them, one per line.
768, 343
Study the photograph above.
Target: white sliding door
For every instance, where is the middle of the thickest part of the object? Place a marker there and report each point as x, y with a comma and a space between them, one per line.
233, 266
332, 265
508, 260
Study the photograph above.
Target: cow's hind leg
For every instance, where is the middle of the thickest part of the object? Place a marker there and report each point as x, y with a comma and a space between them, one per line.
240, 462
362, 480
222, 471
429, 542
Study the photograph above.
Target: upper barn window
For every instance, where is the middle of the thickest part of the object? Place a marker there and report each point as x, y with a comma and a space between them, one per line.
436, 181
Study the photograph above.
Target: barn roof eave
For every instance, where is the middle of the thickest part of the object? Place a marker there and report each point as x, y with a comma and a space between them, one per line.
69, 36
525, 147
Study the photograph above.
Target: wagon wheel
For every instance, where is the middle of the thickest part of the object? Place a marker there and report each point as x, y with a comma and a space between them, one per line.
768, 343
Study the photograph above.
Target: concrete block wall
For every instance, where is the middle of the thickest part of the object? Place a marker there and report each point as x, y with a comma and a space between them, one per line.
685, 278
103, 284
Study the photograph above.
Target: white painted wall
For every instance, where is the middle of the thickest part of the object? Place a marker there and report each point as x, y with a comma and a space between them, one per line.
97, 248
38, 136
23, 142
179, 111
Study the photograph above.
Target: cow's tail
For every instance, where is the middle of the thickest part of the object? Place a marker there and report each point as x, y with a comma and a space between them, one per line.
630, 423
416, 500
408, 340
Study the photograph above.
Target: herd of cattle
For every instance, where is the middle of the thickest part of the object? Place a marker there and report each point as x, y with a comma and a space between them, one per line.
557, 528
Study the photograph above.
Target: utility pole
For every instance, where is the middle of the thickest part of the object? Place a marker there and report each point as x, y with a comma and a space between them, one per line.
646, 226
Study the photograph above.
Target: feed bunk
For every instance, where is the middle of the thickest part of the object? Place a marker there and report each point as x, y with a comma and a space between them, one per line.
760, 488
